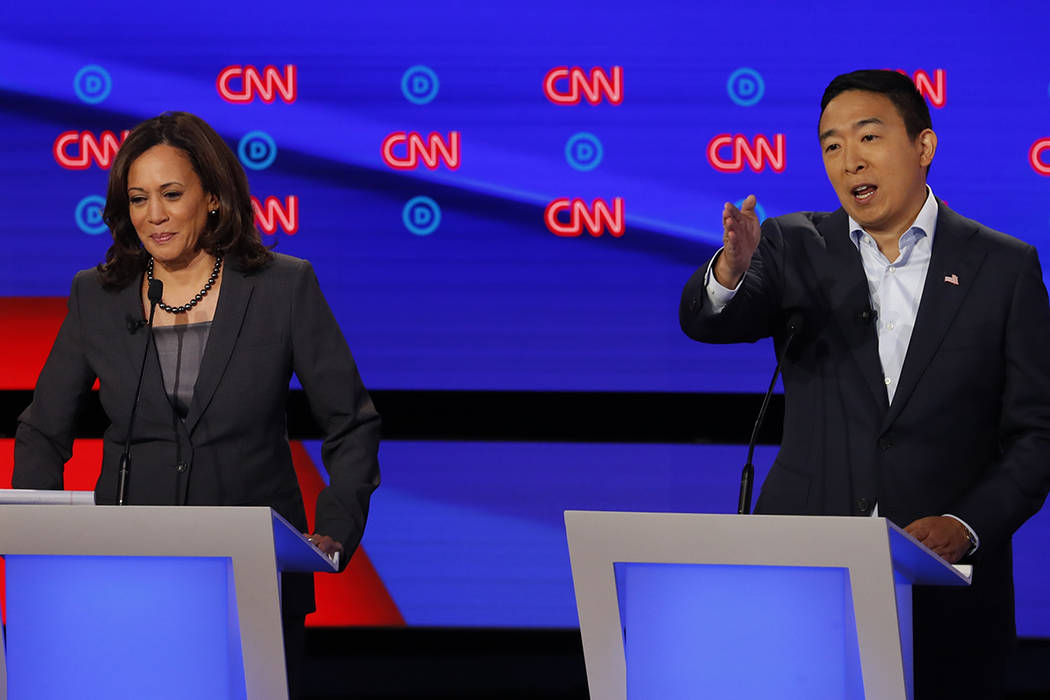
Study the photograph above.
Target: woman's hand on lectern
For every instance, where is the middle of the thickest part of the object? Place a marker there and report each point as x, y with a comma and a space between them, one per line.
325, 543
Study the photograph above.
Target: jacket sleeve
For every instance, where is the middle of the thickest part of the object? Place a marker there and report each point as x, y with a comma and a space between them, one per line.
750, 314
321, 359
1014, 488
44, 439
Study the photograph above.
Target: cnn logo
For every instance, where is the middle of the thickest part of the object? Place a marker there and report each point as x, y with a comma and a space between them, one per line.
270, 215
934, 88
77, 150
595, 219
570, 86
241, 84
403, 150
1035, 156
728, 154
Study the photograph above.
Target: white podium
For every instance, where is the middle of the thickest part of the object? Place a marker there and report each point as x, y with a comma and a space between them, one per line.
755, 606
136, 601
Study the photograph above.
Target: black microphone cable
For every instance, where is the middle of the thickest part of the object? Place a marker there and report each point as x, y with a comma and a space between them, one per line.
747, 476
154, 294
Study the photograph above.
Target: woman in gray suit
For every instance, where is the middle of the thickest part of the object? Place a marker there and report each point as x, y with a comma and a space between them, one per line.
235, 321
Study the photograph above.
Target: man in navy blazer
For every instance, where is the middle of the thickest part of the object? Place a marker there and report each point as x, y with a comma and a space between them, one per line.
919, 388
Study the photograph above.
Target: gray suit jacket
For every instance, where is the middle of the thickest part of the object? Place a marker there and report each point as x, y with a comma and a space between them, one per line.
232, 448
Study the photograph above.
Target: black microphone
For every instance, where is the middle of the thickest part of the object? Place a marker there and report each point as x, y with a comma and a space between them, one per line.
154, 293
134, 324
867, 315
747, 477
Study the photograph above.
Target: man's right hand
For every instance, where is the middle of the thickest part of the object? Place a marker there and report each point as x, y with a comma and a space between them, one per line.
740, 234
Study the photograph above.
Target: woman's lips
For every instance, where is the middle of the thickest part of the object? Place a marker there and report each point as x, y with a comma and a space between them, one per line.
162, 237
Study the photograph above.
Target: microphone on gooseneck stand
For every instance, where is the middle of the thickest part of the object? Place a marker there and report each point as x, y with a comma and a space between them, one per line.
747, 477
154, 294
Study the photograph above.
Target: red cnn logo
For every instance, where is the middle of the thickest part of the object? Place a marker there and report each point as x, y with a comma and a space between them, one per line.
432, 151
567, 86
595, 219
1035, 156
266, 85
757, 155
270, 213
100, 150
933, 89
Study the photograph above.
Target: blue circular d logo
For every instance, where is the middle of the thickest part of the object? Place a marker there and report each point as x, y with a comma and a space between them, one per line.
257, 150
92, 84
419, 85
746, 87
421, 215
88, 215
583, 151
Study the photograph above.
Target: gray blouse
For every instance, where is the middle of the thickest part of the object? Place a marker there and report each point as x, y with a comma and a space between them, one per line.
181, 349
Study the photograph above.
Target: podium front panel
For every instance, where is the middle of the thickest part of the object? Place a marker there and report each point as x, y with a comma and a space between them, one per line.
84, 615
796, 624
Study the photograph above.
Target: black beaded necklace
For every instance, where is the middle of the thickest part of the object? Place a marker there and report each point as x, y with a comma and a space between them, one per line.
197, 298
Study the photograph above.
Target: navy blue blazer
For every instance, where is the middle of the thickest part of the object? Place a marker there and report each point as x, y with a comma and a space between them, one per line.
968, 432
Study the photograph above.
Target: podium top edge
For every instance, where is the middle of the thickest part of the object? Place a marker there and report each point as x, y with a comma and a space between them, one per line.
42, 497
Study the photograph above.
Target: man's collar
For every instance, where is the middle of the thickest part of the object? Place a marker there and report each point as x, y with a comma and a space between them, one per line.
925, 222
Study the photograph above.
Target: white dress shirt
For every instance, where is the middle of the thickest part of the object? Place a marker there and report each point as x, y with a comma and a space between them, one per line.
895, 287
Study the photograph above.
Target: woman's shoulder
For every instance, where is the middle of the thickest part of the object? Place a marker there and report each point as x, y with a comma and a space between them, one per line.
89, 282
283, 266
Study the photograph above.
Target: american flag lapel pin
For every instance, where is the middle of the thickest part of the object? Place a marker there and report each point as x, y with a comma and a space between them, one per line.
952, 279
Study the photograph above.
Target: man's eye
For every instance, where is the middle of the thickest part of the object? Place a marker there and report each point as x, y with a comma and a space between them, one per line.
831, 147
869, 137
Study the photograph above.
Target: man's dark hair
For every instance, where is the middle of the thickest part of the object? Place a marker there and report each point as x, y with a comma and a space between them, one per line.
899, 88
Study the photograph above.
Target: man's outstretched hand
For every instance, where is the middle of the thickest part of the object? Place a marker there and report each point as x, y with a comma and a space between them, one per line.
740, 234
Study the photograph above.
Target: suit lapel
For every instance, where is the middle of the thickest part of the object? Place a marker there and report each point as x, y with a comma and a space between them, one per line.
234, 294
845, 287
951, 256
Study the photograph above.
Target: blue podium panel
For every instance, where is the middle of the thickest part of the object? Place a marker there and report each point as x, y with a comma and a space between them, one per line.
713, 631
122, 627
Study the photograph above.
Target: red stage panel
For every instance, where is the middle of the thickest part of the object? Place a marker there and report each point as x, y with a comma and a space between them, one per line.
32, 322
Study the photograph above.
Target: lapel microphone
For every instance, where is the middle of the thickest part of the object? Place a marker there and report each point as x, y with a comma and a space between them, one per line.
747, 476
154, 294
134, 324
867, 315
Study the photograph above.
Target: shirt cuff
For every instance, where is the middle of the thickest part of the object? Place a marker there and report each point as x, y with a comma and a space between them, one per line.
719, 295
976, 539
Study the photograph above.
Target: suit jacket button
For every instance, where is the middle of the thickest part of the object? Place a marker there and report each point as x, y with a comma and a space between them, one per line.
864, 505
180, 467
885, 443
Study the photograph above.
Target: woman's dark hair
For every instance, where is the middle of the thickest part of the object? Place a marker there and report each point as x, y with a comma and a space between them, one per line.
230, 232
